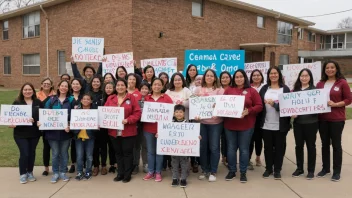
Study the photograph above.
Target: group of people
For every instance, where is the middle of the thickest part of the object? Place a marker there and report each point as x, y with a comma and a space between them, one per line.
260, 122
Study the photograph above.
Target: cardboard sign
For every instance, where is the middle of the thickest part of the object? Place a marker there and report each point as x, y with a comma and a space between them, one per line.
115, 60
178, 139
290, 72
168, 65
230, 106
53, 119
155, 112
84, 119
111, 117
87, 49
18, 115
262, 66
304, 102
218, 60
201, 107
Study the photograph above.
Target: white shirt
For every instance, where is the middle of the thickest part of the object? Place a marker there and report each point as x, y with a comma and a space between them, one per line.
181, 96
272, 117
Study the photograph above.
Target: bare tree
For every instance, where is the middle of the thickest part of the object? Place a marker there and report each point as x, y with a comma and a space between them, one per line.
345, 23
7, 5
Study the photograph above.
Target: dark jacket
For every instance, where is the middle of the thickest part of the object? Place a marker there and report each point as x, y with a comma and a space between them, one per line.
90, 132
97, 98
76, 74
306, 119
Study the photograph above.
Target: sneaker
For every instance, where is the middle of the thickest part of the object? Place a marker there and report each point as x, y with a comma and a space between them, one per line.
45, 173
148, 176
135, 170
323, 173
258, 162
277, 175
212, 178
203, 176
145, 168
126, 179
183, 183
243, 178
195, 168
23, 179
54, 178
95, 171
64, 177
230, 176
118, 178
158, 177
267, 174
310, 176
72, 169
174, 182
104, 171
250, 166
297, 173
112, 169
30, 177
79, 176
87, 176
335, 177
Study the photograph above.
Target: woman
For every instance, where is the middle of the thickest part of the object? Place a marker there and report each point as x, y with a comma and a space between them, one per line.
331, 124
88, 73
305, 128
59, 140
65, 77
275, 128
257, 82
210, 129
121, 72
149, 74
27, 137
239, 130
165, 77
124, 140
155, 161
108, 77
191, 74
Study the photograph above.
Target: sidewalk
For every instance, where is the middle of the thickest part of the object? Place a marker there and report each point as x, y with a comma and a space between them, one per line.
103, 186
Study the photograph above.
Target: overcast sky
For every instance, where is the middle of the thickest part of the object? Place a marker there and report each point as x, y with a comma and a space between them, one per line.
299, 8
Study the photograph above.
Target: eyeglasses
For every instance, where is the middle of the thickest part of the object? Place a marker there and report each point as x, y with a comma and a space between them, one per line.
46, 83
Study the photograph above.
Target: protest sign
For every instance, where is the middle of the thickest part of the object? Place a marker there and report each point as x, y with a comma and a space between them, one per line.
178, 139
230, 106
290, 72
17, 115
167, 65
155, 111
115, 60
261, 66
201, 106
84, 119
111, 117
304, 102
217, 60
53, 119
87, 49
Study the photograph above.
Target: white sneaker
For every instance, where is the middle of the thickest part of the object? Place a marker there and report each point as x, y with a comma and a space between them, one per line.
203, 176
212, 178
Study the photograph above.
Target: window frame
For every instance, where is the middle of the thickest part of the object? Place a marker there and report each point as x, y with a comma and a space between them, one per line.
288, 27
288, 59
301, 34
263, 21
201, 3
23, 64
311, 37
9, 66
5, 30
58, 62
35, 26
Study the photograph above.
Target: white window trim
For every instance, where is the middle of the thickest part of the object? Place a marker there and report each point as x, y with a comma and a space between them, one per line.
278, 33
263, 21
202, 8
58, 61
301, 35
23, 26
23, 65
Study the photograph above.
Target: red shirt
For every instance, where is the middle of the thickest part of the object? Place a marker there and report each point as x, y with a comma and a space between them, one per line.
153, 127
252, 102
340, 91
137, 94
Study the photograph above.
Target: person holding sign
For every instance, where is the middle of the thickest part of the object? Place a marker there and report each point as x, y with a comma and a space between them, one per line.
191, 74
149, 74
275, 128
210, 129
121, 72
124, 140
88, 73
27, 137
108, 77
165, 77
331, 124
155, 162
239, 130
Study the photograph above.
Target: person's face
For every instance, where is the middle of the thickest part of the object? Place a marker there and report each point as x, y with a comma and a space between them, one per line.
121, 87
239, 79
131, 82
305, 78
209, 78
144, 91
274, 75
164, 78
330, 70
96, 83
65, 77
192, 72
178, 81
179, 114
46, 85
109, 89
157, 86
149, 73
121, 73
63, 87
76, 87
225, 80
108, 78
256, 77
86, 101
27, 91
88, 73
198, 81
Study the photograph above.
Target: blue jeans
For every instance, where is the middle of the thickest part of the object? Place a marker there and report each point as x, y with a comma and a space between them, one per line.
59, 149
155, 162
27, 147
85, 147
210, 147
238, 140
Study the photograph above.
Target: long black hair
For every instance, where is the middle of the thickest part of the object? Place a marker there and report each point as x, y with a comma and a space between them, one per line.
338, 74
151, 84
246, 83
20, 97
298, 84
137, 79
261, 74
105, 95
216, 83
281, 81
68, 86
172, 86
188, 78
145, 70
117, 71
112, 76
225, 73
91, 82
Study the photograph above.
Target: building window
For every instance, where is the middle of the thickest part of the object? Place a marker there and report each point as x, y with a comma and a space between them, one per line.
5, 30
327, 42
284, 31
197, 8
61, 61
7, 65
322, 41
338, 41
300, 33
31, 64
31, 25
284, 59
260, 22
349, 41
311, 37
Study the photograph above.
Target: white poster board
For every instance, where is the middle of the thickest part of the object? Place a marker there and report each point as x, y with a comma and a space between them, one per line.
230, 106
167, 65
18, 115
157, 112
290, 72
111, 117
201, 106
53, 119
87, 49
84, 119
262, 66
115, 60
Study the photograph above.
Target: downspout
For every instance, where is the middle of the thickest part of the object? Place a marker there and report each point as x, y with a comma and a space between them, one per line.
47, 40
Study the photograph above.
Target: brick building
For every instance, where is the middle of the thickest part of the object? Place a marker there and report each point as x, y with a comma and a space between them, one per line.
36, 40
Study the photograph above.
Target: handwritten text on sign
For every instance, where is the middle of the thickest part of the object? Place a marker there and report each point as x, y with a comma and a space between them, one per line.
201, 107
111, 117
229, 106
53, 119
155, 112
304, 102
84, 119
290, 72
16, 115
178, 139
87, 49
261, 66
167, 65
115, 60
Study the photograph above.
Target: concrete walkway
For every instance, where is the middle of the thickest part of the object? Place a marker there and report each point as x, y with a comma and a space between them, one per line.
103, 186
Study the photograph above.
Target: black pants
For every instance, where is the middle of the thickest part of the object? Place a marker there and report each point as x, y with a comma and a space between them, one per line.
306, 133
167, 161
100, 148
27, 147
274, 149
257, 140
112, 156
73, 151
331, 131
223, 144
46, 152
123, 147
